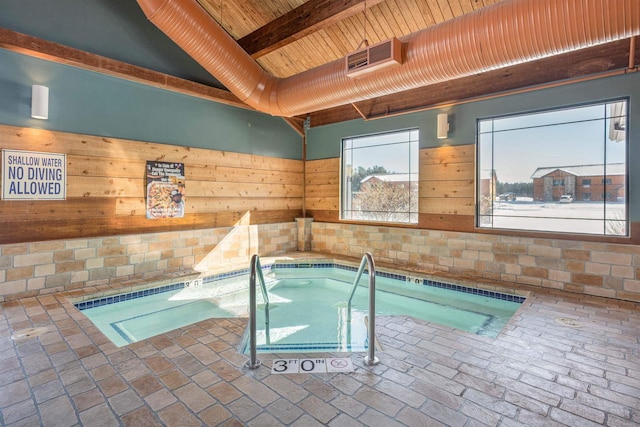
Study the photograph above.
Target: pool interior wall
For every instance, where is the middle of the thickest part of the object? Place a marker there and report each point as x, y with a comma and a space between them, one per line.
152, 289
402, 276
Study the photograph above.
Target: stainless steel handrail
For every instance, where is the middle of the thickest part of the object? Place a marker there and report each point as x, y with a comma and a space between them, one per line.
367, 260
256, 271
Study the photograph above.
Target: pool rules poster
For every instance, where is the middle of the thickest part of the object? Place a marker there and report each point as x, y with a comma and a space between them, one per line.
31, 175
165, 189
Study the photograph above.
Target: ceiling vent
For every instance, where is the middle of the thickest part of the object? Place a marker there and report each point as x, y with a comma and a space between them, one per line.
374, 58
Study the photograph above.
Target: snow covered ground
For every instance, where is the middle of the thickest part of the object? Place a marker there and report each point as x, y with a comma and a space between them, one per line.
576, 217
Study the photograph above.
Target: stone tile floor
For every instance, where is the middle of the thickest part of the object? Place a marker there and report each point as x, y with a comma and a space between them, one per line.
563, 360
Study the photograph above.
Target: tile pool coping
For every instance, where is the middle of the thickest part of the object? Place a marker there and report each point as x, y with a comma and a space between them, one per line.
182, 283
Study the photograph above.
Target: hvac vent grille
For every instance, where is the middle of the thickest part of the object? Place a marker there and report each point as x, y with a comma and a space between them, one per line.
374, 58
380, 52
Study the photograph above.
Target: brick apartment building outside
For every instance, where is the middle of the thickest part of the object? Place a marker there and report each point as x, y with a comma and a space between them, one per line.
589, 183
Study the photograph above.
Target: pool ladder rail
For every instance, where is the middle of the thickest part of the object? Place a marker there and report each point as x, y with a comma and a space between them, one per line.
367, 261
256, 272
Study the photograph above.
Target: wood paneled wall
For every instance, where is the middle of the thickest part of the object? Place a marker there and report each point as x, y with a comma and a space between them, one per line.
447, 188
106, 188
322, 187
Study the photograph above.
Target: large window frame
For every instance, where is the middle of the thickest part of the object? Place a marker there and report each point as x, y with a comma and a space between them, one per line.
379, 177
565, 145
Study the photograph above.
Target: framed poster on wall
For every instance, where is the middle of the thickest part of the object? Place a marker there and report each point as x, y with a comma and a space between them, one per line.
165, 189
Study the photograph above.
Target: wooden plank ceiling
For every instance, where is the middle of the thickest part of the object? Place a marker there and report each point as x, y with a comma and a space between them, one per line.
287, 37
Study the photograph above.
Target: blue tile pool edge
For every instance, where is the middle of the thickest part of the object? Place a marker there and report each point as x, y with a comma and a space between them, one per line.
111, 299
403, 278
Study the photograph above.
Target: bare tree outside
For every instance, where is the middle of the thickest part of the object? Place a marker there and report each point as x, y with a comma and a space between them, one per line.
380, 177
380, 200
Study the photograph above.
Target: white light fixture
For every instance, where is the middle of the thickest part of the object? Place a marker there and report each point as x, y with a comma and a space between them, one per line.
442, 126
39, 102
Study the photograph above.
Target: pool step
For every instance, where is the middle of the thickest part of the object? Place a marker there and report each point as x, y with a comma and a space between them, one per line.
302, 347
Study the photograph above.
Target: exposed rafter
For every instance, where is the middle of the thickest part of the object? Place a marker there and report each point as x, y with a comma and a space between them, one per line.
587, 62
307, 18
475, 43
595, 62
54, 52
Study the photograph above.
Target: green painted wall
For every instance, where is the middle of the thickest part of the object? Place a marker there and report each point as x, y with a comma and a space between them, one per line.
324, 141
90, 103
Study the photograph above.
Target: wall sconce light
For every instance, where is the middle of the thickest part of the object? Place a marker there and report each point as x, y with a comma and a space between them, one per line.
39, 102
442, 126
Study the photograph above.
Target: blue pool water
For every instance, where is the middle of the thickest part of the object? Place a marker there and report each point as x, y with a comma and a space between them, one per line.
307, 310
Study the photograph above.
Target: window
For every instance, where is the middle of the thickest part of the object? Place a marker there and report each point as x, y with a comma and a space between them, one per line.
380, 177
546, 159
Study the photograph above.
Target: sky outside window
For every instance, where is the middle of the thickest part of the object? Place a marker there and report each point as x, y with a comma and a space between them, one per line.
534, 161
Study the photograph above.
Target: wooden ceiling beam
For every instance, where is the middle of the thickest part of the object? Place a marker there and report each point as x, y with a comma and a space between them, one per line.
567, 68
54, 52
305, 19
296, 124
60, 54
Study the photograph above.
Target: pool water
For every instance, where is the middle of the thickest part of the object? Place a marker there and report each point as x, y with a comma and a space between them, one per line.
307, 308
322, 322
320, 304
133, 319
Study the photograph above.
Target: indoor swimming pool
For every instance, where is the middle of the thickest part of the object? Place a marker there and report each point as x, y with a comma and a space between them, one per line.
308, 308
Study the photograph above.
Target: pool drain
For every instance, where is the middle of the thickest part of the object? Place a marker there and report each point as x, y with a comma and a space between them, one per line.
566, 321
25, 334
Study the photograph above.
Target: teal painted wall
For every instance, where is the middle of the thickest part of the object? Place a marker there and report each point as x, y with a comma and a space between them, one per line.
86, 102
116, 29
324, 141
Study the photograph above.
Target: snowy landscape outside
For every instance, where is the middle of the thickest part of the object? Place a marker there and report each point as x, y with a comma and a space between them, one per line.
562, 170
576, 217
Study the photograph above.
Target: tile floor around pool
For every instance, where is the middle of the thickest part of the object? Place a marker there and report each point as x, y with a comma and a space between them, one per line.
562, 360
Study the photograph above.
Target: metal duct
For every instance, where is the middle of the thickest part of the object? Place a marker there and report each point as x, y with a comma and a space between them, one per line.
507, 33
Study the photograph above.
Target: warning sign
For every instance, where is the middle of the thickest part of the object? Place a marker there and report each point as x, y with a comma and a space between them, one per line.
339, 364
30, 175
